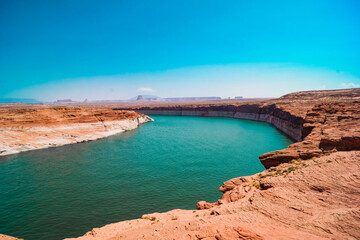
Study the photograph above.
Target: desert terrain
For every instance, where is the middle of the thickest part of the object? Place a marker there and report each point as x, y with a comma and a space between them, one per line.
310, 190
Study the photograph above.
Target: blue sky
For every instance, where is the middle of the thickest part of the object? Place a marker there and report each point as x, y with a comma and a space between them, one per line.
118, 49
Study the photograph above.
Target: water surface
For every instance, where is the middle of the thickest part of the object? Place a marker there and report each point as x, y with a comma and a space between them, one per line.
173, 162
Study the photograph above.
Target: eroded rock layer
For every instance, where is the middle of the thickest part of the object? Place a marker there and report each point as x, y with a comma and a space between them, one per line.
289, 124
313, 199
28, 128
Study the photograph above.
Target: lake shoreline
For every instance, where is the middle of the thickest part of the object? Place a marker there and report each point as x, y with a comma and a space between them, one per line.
33, 133
123, 168
307, 191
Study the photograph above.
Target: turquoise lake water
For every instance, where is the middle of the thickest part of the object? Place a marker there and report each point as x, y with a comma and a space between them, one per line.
173, 162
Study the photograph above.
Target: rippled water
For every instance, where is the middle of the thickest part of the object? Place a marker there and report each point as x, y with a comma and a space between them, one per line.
170, 163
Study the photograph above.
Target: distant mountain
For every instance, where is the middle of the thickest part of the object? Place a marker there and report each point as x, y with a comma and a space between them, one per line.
64, 101
19, 100
152, 97
191, 98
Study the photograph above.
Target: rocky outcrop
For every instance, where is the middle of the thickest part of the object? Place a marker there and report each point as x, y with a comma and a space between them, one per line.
325, 95
328, 127
313, 199
24, 129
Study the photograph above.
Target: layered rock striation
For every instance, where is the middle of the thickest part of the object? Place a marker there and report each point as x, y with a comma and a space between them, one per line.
328, 127
320, 121
30, 128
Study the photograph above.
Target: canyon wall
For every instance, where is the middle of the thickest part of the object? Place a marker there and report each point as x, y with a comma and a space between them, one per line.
289, 124
319, 126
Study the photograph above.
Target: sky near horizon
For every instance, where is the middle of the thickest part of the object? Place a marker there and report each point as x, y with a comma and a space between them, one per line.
111, 50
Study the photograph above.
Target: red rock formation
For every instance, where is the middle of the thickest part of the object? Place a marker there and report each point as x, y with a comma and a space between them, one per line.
328, 127
24, 128
22, 115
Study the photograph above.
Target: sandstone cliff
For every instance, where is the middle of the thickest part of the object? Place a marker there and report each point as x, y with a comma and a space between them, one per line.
29, 128
320, 121
309, 191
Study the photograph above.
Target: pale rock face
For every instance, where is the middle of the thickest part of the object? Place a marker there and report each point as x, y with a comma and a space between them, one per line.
22, 138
